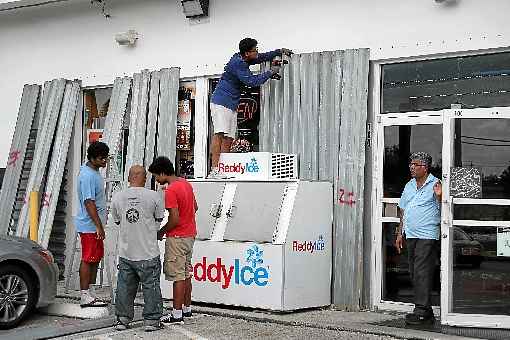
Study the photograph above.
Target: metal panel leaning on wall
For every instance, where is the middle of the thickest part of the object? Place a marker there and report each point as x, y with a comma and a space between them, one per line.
319, 110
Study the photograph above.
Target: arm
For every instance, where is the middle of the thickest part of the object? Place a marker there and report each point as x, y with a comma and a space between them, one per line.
90, 205
250, 79
115, 212
438, 191
173, 221
267, 56
159, 211
399, 241
196, 205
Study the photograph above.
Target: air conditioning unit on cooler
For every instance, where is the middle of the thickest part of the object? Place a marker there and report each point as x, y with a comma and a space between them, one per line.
259, 166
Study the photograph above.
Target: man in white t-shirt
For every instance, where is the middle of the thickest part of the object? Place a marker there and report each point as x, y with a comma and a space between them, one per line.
138, 212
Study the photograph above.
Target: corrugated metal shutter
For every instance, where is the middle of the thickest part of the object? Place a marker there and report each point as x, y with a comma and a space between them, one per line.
319, 111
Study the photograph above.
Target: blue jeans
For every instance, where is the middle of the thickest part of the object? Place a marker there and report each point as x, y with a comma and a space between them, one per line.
131, 273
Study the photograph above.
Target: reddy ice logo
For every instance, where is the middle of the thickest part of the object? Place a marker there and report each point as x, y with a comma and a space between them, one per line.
252, 273
309, 246
241, 168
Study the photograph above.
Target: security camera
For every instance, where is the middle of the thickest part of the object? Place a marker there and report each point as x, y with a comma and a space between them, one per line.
127, 38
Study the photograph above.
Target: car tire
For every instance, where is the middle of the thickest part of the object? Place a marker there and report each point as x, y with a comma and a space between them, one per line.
22, 289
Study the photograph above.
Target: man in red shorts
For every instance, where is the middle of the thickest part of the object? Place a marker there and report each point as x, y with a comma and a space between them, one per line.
90, 220
180, 231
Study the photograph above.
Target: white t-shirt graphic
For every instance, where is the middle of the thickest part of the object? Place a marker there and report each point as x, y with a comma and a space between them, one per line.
137, 210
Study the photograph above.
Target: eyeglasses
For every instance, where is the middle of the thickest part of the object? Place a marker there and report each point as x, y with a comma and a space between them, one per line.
415, 165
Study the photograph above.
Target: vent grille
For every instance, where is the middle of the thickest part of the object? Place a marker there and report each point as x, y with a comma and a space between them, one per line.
283, 166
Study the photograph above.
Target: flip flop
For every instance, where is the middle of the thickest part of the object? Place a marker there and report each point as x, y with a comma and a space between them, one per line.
94, 303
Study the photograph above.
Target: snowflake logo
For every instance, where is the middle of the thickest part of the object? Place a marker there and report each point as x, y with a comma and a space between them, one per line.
254, 164
254, 256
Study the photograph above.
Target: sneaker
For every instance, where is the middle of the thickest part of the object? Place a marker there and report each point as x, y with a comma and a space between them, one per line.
154, 327
120, 326
187, 314
170, 319
418, 320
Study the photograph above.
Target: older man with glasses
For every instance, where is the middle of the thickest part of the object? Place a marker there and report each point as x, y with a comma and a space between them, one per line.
420, 216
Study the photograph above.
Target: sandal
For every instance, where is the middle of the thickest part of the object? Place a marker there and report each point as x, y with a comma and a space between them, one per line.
94, 303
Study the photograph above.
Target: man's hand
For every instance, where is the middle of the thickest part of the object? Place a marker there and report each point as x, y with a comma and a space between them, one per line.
100, 235
275, 69
438, 190
161, 233
399, 243
286, 51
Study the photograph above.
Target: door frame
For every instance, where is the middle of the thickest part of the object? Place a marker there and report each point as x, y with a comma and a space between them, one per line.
447, 316
382, 121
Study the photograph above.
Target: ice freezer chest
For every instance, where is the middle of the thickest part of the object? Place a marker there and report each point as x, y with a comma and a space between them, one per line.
262, 244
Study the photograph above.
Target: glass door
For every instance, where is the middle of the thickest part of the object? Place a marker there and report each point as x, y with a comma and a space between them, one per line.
475, 230
398, 136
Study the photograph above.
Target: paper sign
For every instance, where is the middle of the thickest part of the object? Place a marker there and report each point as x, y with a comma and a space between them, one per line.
503, 241
94, 135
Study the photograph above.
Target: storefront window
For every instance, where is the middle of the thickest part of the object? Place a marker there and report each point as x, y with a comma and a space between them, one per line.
484, 144
248, 117
481, 276
397, 283
472, 81
96, 102
185, 130
399, 142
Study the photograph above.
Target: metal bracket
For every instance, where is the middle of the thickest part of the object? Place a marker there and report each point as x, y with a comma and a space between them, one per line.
369, 135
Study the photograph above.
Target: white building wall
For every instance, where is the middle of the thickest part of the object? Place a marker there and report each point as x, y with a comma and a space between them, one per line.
73, 40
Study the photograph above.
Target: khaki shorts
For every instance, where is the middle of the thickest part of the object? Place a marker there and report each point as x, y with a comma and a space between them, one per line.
224, 120
177, 263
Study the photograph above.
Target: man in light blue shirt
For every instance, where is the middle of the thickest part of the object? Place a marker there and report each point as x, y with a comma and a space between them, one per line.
90, 219
420, 217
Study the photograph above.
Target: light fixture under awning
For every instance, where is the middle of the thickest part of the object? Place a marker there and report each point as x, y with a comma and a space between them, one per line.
195, 8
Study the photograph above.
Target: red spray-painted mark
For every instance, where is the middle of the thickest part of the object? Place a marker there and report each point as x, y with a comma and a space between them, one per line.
346, 198
13, 157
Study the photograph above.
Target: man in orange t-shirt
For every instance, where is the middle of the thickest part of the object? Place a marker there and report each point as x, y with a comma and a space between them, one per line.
180, 231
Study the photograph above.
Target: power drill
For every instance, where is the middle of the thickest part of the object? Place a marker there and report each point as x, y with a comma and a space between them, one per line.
278, 62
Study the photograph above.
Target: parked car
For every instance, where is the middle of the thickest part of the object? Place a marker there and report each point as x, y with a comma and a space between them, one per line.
467, 250
28, 279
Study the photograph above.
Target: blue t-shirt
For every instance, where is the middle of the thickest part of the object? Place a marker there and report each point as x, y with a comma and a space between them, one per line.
422, 213
90, 187
236, 73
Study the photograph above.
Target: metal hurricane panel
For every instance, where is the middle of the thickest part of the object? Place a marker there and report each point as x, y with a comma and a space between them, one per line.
319, 110
58, 160
137, 121
48, 122
17, 154
167, 121
152, 120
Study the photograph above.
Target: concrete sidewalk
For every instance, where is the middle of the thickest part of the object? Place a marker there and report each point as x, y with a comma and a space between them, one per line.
367, 322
